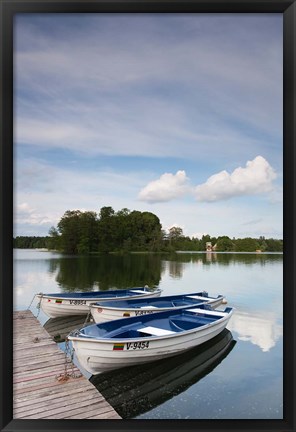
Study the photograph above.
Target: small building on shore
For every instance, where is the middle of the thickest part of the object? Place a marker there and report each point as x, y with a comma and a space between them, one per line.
209, 247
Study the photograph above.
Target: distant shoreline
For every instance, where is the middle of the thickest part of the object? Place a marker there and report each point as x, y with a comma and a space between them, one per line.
158, 253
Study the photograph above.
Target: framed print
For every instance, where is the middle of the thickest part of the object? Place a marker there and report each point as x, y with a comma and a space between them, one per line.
147, 215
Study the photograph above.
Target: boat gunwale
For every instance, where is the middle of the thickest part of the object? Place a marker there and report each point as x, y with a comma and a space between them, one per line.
57, 296
225, 317
154, 309
207, 300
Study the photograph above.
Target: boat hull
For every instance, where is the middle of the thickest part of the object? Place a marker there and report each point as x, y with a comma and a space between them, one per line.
99, 355
64, 306
101, 313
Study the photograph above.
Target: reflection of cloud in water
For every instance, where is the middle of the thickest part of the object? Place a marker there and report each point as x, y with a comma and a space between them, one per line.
261, 331
19, 291
29, 283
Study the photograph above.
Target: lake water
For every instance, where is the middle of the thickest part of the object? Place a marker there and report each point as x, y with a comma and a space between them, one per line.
238, 375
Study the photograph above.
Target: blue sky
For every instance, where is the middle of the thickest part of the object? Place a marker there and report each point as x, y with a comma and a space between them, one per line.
179, 114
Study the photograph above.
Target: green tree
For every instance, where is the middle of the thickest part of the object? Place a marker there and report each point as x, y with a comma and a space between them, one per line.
54, 239
262, 244
274, 245
175, 237
247, 244
123, 230
68, 228
30, 242
78, 232
195, 244
175, 233
88, 235
224, 244
107, 230
151, 229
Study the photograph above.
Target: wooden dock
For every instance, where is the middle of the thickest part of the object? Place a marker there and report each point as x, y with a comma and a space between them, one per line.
39, 391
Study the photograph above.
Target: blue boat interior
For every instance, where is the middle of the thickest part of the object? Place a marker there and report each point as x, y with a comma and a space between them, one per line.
160, 324
162, 302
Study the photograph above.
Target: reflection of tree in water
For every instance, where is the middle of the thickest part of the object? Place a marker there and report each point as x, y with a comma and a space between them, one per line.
176, 269
53, 265
110, 271
124, 271
225, 259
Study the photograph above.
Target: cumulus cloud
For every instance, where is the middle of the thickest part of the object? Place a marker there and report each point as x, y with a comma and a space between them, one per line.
166, 188
255, 178
25, 214
24, 209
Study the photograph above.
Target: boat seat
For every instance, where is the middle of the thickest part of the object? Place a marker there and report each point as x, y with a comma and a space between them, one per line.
138, 291
154, 331
205, 312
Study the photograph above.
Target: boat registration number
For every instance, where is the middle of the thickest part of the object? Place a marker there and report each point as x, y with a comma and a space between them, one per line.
142, 312
137, 345
78, 302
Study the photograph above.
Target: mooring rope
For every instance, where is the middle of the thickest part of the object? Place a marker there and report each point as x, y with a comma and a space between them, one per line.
38, 304
28, 308
69, 356
87, 317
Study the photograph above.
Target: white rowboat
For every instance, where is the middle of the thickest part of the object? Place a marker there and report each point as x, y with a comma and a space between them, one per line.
108, 311
78, 303
129, 341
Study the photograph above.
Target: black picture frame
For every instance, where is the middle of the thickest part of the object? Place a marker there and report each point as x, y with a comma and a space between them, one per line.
11, 7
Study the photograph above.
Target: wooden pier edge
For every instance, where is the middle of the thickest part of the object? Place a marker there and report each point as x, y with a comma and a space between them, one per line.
37, 392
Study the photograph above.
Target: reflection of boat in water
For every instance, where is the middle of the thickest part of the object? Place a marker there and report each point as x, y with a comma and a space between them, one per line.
60, 327
135, 390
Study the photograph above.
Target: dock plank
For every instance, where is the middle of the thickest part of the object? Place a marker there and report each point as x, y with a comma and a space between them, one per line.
24, 388
82, 411
53, 397
63, 402
37, 363
43, 392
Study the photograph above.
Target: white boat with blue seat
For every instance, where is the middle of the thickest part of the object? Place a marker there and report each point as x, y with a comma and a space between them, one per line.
129, 341
78, 303
111, 310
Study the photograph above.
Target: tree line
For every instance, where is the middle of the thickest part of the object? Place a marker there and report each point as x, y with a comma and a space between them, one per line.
31, 242
82, 233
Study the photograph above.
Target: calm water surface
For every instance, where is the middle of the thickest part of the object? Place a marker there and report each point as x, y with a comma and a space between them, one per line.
237, 375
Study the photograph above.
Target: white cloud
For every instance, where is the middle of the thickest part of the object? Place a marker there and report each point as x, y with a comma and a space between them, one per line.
158, 89
201, 75
24, 209
44, 192
166, 188
255, 178
25, 214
